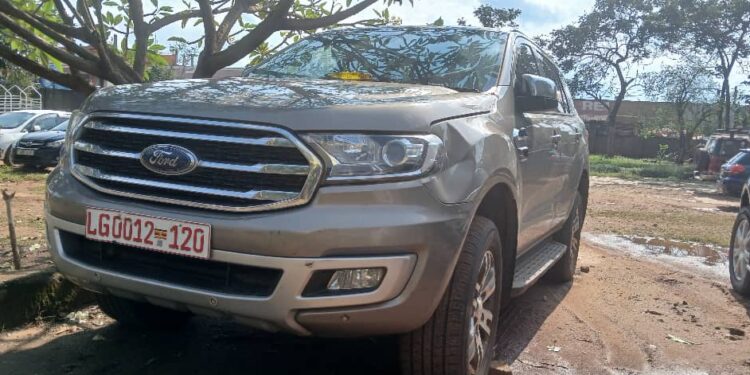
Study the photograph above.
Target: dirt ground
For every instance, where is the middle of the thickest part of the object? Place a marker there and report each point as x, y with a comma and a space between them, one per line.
28, 212
652, 296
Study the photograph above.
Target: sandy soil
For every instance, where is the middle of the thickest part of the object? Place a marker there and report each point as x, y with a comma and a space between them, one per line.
28, 212
630, 312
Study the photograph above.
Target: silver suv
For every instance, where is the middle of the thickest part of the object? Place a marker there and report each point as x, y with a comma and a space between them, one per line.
399, 180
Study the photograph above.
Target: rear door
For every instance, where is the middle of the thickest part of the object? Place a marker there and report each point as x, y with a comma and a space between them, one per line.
533, 140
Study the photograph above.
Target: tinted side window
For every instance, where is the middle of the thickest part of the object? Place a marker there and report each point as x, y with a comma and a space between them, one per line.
550, 71
525, 62
47, 123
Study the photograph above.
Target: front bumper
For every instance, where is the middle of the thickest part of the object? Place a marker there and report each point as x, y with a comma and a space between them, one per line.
398, 226
43, 157
730, 185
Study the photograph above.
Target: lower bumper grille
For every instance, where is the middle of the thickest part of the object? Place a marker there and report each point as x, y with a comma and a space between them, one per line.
195, 273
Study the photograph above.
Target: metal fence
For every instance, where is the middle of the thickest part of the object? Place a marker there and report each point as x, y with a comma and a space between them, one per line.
15, 98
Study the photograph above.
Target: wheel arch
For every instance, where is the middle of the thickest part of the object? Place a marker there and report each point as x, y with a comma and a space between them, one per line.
498, 204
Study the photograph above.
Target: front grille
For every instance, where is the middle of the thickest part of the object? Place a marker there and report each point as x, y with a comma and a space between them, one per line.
30, 144
241, 167
202, 274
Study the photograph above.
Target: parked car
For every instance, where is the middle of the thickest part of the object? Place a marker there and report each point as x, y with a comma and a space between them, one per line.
373, 181
734, 173
719, 148
39, 149
739, 246
14, 125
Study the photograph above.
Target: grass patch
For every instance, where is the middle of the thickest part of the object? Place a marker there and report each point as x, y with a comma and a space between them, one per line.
628, 168
9, 174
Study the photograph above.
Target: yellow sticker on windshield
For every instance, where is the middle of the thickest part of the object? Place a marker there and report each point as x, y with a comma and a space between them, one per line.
351, 76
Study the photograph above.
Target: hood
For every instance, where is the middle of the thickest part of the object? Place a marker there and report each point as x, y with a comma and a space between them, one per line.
298, 104
10, 131
47, 136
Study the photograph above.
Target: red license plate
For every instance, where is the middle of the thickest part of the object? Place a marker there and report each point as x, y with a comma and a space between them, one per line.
152, 233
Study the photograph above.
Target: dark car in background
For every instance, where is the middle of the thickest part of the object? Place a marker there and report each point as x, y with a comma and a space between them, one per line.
39, 149
719, 148
734, 173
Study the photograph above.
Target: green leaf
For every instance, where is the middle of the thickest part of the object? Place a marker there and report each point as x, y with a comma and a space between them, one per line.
177, 39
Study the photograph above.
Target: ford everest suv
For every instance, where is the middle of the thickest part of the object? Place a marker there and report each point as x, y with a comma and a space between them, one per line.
397, 180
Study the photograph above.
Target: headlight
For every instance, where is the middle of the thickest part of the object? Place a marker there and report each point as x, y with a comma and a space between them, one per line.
56, 143
358, 157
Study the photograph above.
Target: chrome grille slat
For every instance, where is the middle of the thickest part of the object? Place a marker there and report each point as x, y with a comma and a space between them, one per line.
264, 195
265, 141
241, 167
290, 169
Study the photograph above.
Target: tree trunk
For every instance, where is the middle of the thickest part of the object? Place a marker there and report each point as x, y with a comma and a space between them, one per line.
612, 123
726, 105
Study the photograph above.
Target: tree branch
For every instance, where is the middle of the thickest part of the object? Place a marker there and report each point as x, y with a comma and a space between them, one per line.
7, 8
316, 23
141, 33
209, 27
232, 16
209, 64
68, 80
64, 56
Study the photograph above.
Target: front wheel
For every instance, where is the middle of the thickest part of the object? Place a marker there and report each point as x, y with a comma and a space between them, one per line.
459, 339
739, 253
6, 157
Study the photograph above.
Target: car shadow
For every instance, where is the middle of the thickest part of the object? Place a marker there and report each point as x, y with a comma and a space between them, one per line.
741, 300
204, 346
213, 346
523, 318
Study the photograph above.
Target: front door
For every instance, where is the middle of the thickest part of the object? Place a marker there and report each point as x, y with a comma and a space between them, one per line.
533, 138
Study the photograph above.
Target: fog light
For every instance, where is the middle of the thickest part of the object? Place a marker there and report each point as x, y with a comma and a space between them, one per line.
359, 278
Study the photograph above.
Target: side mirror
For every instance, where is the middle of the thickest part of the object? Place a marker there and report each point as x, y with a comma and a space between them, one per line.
536, 94
36, 128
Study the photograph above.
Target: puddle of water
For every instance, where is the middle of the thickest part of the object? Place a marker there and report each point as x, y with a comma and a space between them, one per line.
710, 258
710, 255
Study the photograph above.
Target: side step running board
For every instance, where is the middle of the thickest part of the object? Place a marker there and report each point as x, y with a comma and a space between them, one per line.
535, 263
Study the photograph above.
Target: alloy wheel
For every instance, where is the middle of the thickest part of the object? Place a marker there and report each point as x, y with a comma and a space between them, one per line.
480, 322
741, 250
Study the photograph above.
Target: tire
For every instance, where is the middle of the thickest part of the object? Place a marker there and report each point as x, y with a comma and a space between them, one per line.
569, 235
6, 157
442, 345
141, 315
739, 253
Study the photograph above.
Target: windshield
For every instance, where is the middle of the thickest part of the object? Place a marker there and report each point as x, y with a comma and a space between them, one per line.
61, 128
461, 59
12, 120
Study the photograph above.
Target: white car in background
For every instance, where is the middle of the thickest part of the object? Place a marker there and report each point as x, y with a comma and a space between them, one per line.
14, 125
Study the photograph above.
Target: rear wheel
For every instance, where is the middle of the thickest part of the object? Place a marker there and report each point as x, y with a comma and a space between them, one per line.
569, 235
739, 253
459, 339
141, 315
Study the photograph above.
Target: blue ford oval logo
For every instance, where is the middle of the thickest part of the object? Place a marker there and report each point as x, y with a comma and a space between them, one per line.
168, 159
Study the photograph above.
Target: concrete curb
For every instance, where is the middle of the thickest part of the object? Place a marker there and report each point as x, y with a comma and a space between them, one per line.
38, 294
